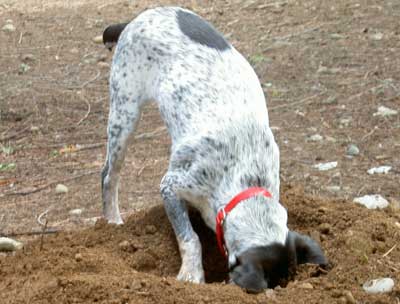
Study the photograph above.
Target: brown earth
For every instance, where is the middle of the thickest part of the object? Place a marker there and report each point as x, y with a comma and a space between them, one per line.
137, 262
326, 67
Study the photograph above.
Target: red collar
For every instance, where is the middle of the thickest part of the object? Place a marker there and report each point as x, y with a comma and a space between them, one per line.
223, 212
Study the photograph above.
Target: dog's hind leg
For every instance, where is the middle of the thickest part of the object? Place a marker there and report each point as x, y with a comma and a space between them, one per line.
125, 110
188, 241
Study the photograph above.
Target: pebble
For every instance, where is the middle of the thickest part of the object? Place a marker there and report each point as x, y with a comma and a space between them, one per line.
384, 111
372, 201
7, 244
75, 212
379, 170
381, 285
306, 286
349, 297
324, 228
150, 229
352, 150
376, 36
333, 189
103, 64
60, 188
315, 137
78, 257
8, 28
98, 39
326, 166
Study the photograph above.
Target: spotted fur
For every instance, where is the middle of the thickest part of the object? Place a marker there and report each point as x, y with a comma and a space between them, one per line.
215, 110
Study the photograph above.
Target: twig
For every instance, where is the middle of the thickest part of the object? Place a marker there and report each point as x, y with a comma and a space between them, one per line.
20, 38
11, 136
30, 233
369, 133
86, 82
87, 113
30, 191
148, 135
39, 219
305, 100
42, 235
389, 251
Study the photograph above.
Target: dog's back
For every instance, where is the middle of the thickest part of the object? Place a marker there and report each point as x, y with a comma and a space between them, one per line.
188, 68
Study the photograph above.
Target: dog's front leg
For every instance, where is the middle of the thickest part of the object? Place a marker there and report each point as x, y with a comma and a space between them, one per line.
188, 241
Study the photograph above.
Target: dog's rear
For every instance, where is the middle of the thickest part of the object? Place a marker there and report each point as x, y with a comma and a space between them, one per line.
215, 111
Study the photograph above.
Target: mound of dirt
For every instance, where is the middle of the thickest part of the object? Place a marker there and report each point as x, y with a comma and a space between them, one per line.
137, 262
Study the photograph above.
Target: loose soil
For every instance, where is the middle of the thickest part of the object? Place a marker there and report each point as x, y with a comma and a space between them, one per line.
325, 66
137, 262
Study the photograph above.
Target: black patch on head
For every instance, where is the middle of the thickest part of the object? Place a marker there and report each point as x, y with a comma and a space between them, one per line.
112, 33
268, 266
200, 31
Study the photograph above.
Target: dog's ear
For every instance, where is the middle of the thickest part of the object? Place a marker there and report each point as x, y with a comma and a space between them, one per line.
306, 249
112, 33
250, 277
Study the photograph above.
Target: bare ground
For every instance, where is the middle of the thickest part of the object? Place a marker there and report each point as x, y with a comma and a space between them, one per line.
326, 68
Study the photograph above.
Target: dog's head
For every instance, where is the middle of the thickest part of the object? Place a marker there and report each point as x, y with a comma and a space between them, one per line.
263, 267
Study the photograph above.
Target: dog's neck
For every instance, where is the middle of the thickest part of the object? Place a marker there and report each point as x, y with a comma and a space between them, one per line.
255, 222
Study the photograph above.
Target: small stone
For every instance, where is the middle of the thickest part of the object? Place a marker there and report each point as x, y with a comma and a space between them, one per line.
315, 137
78, 257
103, 64
334, 189
7, 244
74, 51
384, 111
326, 166
337, 36
372, 201
8, 28
35, 129
305, 286
98, 39
345, 122
60, 188
381, 285
124, 245
76, 212
349, 297
352, 150
324, 228
150, 229
376, 36
270, 294
330, 100
379, 170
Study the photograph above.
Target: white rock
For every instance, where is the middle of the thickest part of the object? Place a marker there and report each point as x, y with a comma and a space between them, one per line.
372, 201
376, 36
75, 212
7, 244
333, 189
380, 170
352, 150
98, 39
8, 28
315, 137
326, 166
60, 188
379, 285
385, 111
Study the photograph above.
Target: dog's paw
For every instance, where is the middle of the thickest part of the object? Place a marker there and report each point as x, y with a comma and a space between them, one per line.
191, 274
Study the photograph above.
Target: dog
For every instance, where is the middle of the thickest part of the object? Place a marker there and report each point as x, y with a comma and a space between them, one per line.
224, 159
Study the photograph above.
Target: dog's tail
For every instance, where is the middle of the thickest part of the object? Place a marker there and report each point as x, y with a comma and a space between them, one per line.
111, 34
